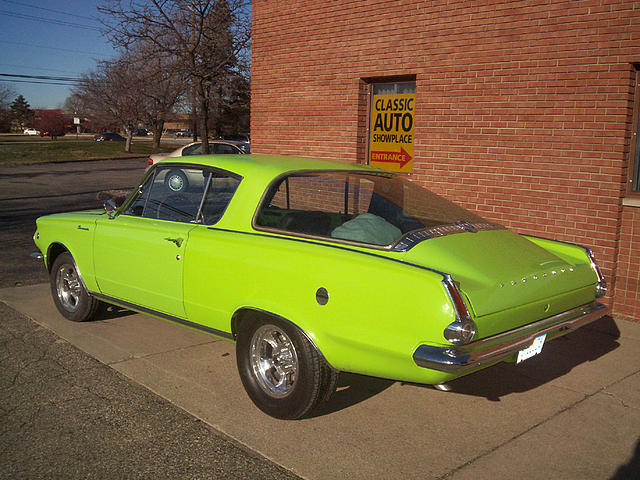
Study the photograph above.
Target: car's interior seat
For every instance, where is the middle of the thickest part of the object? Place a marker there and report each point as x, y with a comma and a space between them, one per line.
310, 222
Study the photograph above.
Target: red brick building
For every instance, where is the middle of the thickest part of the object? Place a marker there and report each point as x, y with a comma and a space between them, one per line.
525, 111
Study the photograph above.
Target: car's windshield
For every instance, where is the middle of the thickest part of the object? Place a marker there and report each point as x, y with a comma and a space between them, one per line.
361, 207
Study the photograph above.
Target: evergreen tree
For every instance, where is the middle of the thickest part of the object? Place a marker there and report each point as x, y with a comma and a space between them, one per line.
21, 113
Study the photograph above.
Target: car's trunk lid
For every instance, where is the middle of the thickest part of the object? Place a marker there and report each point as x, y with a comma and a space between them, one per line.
497, 269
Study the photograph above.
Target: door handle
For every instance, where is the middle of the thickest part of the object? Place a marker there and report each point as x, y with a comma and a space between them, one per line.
177, 241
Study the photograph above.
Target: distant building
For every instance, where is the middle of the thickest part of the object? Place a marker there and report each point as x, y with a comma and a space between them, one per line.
526, 112
178, 121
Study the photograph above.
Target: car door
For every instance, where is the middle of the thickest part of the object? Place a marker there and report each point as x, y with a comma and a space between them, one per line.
139, 253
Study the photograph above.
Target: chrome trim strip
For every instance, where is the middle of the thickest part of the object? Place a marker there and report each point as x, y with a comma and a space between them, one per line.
462, 359
164, 316
414, 237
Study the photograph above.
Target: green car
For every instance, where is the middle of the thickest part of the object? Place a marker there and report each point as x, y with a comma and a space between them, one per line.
314, 267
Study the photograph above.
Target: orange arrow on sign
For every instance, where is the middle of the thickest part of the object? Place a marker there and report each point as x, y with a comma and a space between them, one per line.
402, 157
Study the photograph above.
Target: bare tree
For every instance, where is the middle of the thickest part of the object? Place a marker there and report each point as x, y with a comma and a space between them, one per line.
207, 37
161, 83
111, 91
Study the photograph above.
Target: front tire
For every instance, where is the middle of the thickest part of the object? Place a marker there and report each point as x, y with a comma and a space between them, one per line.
281, 371
69, 294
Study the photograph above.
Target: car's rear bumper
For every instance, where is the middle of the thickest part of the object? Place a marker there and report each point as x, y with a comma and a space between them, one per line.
465, 358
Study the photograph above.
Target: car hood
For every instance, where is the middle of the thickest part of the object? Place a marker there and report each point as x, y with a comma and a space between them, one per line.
498, 269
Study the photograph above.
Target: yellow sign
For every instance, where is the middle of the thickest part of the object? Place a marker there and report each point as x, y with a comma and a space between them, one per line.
391, 140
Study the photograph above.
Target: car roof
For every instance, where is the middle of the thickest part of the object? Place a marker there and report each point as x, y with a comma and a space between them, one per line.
268, 166
258, 172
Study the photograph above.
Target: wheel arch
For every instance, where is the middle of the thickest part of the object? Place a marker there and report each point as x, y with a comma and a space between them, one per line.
244, 314
53, 251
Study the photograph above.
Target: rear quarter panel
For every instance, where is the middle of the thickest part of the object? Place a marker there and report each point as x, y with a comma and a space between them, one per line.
378, 311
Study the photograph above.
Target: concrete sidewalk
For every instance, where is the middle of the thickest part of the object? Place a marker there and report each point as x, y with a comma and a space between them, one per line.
572, 412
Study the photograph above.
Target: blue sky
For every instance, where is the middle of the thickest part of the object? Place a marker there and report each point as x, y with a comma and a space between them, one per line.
40, 46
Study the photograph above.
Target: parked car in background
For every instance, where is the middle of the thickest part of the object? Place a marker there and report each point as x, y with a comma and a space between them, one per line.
184, 133
31, 131
314, 267
53, 133
240, 137
141, 132
108, 137
179, 180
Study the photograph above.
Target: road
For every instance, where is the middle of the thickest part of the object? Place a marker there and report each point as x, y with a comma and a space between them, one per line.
63, 414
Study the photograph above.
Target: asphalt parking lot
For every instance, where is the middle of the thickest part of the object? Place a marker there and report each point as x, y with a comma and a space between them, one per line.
128, 396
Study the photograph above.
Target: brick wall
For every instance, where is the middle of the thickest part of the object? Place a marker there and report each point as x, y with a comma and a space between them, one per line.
523, 109
627, 288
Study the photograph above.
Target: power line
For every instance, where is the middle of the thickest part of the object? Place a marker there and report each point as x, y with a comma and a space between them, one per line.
48, 20
48, 9
50, 48
35, 81
36, 68
42, 77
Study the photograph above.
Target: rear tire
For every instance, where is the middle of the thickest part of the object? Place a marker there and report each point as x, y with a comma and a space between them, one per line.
71, 298
281, 371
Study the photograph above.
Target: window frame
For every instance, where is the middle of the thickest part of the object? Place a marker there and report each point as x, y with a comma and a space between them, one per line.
633, 170
282, 179
151, 175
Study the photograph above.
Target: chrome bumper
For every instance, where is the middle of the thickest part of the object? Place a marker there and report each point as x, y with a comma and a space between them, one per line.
462, 359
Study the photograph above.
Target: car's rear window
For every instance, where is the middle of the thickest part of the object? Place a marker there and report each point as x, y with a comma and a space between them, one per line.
376, 209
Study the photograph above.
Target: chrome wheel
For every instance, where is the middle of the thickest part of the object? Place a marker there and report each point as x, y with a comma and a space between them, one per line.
274, 361
68, 287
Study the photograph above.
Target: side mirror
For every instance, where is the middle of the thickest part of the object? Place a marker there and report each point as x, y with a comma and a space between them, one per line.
110, 207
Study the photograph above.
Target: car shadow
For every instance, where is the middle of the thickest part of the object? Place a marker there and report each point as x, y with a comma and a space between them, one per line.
351, 390
559, 356
108, 312
630, 470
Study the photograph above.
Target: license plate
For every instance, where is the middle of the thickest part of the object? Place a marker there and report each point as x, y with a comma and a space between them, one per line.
534, 349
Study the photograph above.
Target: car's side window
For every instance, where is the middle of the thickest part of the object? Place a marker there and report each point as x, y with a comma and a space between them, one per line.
176, 194
315, 204
218, 196
223, 148
136, 207
184, 194
195, 149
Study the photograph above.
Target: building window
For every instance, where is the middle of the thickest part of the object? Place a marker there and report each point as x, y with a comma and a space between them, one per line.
634, 157
391, 125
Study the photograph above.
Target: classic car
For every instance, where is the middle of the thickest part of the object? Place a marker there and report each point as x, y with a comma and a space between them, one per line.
314, 267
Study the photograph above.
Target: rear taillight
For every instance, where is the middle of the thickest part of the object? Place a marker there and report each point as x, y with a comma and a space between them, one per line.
456, 298
601, 290
150, 161
463, 329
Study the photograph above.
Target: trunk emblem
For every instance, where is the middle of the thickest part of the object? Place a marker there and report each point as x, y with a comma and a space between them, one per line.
546, 307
